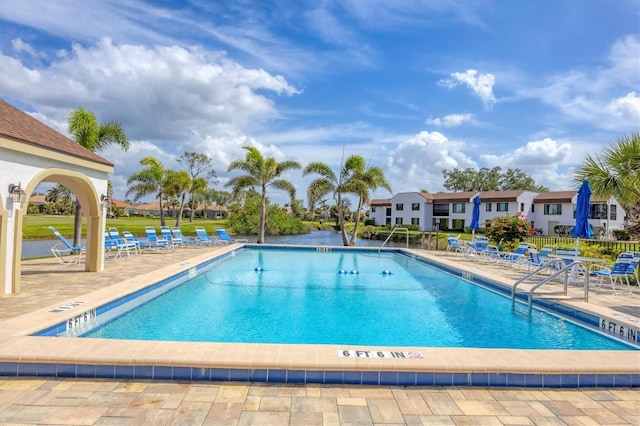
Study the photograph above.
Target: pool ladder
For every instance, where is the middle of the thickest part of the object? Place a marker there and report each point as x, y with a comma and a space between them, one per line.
561, 269
389, 237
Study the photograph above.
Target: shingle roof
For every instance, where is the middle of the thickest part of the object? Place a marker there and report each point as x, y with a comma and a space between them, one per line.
21, 127
555, 197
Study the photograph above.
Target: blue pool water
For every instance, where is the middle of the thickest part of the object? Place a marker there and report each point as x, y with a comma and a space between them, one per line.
340, 297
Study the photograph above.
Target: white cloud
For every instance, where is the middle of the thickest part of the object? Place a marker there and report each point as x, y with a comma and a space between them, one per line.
480, 84
21, 46
156, 92
626, 108
417, 162
452, 120
605, 97
541, 159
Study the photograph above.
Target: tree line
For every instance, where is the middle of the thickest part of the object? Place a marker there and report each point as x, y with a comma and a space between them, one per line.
615, 173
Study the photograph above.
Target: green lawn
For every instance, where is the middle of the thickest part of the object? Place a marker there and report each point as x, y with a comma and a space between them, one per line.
36, 227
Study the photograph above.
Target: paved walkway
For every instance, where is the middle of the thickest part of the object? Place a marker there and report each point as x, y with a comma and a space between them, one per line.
97, 401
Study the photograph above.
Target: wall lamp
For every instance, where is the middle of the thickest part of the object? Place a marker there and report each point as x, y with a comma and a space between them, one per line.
17, 194
103, 198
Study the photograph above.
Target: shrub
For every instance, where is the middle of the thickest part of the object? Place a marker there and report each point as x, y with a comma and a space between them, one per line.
369, 222
621, 235
510, 228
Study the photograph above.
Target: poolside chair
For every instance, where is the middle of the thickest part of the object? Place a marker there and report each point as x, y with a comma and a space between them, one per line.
124, 244
111, 250
165, 231
224, 236
634, 263
63, 248
156, 242
454, 245
619, 271
132, 239
205, 239
177, 235
518, 257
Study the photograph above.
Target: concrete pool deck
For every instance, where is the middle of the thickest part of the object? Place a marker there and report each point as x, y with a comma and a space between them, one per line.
47, 285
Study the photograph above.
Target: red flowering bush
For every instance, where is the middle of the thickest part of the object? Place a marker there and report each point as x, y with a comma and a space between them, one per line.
510, 228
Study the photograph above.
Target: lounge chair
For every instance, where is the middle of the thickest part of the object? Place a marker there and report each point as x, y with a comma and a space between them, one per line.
224, 236
154, 241
619, 270
205, 239
165, 231
634, 263
518, 257
132, 239
63, 248
453, 244
111, 250
177, 235
123, 243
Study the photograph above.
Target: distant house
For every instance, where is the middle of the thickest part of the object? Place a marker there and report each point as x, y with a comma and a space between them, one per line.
453, 210
127, 209
38, 201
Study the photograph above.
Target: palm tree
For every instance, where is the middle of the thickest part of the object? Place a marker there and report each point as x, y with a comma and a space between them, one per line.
365, 179
263, 173
149, 181
177, 185
86, 131
355, 178
616, 172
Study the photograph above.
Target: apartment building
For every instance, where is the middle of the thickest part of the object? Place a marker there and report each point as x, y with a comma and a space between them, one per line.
453, 210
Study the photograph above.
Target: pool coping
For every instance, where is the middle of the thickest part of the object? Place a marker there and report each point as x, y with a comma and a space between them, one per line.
25, 355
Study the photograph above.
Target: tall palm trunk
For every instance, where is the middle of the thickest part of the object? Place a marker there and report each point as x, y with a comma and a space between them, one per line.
263, 214
343, 231
354, 234
77, 225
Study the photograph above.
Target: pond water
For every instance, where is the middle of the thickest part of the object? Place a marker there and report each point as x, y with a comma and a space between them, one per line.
41, 248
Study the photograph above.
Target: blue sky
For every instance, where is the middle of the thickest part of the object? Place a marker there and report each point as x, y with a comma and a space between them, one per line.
413, 86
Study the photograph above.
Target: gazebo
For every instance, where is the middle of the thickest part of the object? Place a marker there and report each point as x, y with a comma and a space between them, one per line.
31, 153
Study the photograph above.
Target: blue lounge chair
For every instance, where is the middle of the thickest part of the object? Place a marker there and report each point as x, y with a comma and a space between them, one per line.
165, 231
132, 239
63, 248
224, 236
123, 244
154, 241
619, 271
453, 244
178, 235
205, 239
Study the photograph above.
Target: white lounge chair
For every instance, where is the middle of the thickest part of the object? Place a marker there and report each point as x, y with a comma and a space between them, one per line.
63, 248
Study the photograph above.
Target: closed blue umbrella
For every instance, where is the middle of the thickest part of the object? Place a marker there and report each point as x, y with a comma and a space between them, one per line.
583, 209
475, 217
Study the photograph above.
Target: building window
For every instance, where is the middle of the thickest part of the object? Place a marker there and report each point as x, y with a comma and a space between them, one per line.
502, 207
614, 212
399, 206
398, 221
458, 208
522, 207
415, 206
415, 221
488, 207
553, 209
388, 211
373, 209
441, 209
533, 208
598, 211
458, 223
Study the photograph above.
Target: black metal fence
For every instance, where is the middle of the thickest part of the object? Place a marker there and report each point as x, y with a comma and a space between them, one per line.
611, 246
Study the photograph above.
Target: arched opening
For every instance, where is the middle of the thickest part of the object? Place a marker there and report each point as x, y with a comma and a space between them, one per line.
84, 188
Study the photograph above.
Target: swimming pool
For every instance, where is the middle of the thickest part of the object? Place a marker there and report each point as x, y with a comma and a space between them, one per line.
342, 297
